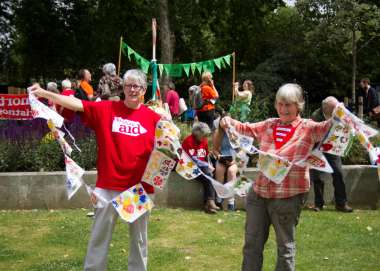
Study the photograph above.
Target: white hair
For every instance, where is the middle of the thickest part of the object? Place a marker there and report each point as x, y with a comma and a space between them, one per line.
328, 105
109, 69
194, 88
66, 84
201, 127
137, 75
291, 93
52, 86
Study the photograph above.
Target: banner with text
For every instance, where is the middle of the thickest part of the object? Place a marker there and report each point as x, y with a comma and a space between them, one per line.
15, 106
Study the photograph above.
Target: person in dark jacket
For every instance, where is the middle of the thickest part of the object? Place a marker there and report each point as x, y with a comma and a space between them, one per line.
370, 97
340, 196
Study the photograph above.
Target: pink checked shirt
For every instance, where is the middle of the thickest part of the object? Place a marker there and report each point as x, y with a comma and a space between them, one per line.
299, 146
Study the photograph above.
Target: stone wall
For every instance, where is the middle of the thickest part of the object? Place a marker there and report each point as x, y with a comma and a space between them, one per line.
46, 190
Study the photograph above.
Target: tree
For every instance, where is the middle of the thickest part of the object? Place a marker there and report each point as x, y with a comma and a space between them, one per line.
347, 23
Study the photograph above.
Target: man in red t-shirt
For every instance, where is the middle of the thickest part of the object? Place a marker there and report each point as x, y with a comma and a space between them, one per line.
125, 138
67, 114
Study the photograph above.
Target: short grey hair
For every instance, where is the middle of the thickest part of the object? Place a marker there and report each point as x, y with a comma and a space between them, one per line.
194, 89
137, 75
328, 106
201, 128
171, 85
52, 86
291, 93
66, 84
109, 69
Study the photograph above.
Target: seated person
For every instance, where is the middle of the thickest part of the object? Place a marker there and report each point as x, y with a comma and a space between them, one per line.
225, 169
196, 146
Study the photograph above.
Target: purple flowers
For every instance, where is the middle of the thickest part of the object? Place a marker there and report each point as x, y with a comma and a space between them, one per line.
36, 129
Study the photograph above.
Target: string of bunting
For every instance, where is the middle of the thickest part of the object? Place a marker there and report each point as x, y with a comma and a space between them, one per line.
178, 70
168, 154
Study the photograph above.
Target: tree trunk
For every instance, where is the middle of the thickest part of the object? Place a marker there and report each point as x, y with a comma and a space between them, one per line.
166, 36
353, 69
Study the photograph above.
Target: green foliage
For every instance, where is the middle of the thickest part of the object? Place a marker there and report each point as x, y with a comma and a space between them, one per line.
357, 155
262, 107
308, 44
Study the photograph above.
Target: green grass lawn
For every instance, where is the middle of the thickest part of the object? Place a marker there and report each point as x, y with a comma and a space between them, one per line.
187, 240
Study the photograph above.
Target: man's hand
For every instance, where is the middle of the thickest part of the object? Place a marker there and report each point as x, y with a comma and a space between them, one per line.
37, 90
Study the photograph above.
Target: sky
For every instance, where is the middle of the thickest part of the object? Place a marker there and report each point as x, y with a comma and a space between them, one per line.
290, 2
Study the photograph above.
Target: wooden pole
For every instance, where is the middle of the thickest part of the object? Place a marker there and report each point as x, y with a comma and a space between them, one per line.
353, 79
346, 102
154, 60
360, 107
233, 75
119, 62
154, 38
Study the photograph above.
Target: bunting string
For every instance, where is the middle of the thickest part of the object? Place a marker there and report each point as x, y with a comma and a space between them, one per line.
177, 70
169, 155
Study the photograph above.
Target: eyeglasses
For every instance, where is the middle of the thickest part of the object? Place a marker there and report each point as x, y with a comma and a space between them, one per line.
129, 87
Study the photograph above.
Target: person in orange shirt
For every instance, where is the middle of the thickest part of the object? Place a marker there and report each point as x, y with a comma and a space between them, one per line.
209, 96
84, 83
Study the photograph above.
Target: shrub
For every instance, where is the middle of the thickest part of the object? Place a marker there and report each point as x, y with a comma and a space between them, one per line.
32, 155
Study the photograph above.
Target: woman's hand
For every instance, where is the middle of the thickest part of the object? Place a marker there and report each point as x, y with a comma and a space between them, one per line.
226, 122
236, 87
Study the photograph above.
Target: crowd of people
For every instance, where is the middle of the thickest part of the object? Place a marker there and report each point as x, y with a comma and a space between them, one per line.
122, 157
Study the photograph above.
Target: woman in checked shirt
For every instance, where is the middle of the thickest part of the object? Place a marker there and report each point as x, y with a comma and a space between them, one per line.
290, 137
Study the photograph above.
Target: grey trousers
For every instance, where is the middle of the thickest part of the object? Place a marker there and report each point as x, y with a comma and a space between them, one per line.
101, 235
283, 214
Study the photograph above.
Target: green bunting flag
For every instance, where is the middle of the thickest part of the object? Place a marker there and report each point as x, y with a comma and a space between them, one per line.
130, 52
186, 68
199, 66
227, 58
208, 66
176, 70
173, 70
218, 63
142, 62
193, 67
161, 68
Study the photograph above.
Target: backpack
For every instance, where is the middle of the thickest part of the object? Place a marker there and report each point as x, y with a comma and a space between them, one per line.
80, 94
198, 101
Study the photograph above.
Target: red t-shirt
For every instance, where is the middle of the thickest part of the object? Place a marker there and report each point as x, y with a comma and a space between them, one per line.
172, 98
67, 114
125, 140
194, 148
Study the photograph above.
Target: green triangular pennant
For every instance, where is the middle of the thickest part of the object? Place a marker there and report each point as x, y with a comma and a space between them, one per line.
144, 65
130, 52
176, 70
223, 63
227, 58
167, 68
124, 48
137, 57
208, 66
199, 66
193, 66
173, 70
218, 63
161, 68
186, 68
